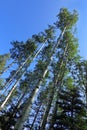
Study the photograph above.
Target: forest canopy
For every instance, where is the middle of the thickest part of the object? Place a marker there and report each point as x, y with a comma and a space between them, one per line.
43, 81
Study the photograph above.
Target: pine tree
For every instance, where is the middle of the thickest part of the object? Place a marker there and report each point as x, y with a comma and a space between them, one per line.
72, 111
52, 59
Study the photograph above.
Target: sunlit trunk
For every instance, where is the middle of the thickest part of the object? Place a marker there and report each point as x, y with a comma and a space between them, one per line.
24, 63
26, 110
58, 83
9, 82
10, 93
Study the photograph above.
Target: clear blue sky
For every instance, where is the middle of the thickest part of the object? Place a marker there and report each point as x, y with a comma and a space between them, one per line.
19, 19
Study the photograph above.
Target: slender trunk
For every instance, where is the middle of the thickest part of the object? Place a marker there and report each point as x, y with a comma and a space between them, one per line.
72, 113
86, 91
35, 116
10, 93
51, 117
22, 96
57, 85
44, 120
26, 110
10, 81
27, 106
58, 82
20, 67
19, 102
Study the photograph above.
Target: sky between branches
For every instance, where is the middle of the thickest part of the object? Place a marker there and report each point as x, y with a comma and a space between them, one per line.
19, 19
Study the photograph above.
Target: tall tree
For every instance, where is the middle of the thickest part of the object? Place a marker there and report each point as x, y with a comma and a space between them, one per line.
71, 18
41, 60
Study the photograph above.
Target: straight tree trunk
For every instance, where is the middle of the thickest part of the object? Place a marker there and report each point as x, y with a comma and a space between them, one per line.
24, 63
10, 93
44, 119
35, 116
26, 110
58, 83
13, 88
86, 91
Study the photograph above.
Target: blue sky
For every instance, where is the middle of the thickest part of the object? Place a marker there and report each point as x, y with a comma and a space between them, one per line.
19, 19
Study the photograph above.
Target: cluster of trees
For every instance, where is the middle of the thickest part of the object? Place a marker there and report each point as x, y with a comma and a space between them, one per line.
46, 85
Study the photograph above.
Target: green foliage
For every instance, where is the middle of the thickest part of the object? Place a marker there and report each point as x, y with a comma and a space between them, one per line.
3, 60
19, 49
66, 19
73, 112
43, 37
52, 79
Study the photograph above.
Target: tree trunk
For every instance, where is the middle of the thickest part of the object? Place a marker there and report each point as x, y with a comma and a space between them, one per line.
58, 83
24, 63
44, 119
86, 91
10, 93
26, 110
35, 116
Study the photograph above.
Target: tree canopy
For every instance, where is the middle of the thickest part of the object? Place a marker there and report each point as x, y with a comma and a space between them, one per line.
46, 85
